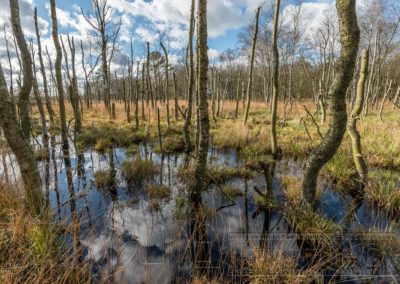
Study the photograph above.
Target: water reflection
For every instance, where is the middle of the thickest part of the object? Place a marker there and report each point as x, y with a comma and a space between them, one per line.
131, 241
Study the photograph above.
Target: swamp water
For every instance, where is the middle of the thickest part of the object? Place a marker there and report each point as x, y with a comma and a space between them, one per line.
133, 238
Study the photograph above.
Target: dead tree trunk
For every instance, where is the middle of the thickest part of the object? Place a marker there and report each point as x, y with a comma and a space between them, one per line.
60, 89
188, 118
349, 38
23, 100
74, 89
275, 81
176, 97
166, 82
250, 79
43, 72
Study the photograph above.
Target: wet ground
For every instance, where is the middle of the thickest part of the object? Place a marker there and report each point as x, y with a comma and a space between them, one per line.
132, 238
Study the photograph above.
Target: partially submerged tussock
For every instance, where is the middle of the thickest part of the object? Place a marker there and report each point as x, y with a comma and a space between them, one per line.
32, 250
104, 179
215, 174
138, 170
384, 189
158, 191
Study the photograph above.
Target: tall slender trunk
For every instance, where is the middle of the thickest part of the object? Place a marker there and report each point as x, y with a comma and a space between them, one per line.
149, 84
188, 118
166, 82
238, 94
349, 38
43, 72
275, 81
74, 89
176, 105
59, 83
201, 161
250, 79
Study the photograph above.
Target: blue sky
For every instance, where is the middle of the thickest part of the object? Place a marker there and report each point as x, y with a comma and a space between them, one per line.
145, 20
226, 17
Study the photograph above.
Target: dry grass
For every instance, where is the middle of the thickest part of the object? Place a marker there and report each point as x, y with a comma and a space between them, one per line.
32, 250
276, 267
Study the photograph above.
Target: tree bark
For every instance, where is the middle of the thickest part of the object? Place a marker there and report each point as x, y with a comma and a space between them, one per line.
43, 72
349, 38
59, 83
275, 81
21, 149
166, 82
188, 118
250, 79
355, 116
23, 100
201, 161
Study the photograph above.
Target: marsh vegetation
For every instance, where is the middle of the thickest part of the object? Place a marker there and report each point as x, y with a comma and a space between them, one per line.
284, 168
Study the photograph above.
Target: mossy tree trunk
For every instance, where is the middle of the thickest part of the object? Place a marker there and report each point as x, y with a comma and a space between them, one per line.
59, 83
275, 80
24, 93
176, 105
349, 38
355, 116
188, 118
201, 160
74, 89
250, 79
166, 82
21, 149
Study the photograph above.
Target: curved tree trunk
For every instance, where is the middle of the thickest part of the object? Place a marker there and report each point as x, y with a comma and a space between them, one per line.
349, 38
23, 101
21, 149
355, 116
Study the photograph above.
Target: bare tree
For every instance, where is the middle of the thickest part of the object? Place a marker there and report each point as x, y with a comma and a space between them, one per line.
23, 100
275, 80
43, 71
188, 117
58, 77
107, 32
250, 79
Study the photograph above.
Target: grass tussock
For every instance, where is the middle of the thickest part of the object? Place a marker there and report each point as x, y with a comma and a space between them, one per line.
104, 179
138, 170
231, 192
41, 154
173, 144
215, 174
32, 250
384, 189
158, 191
316, 230
276, 267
